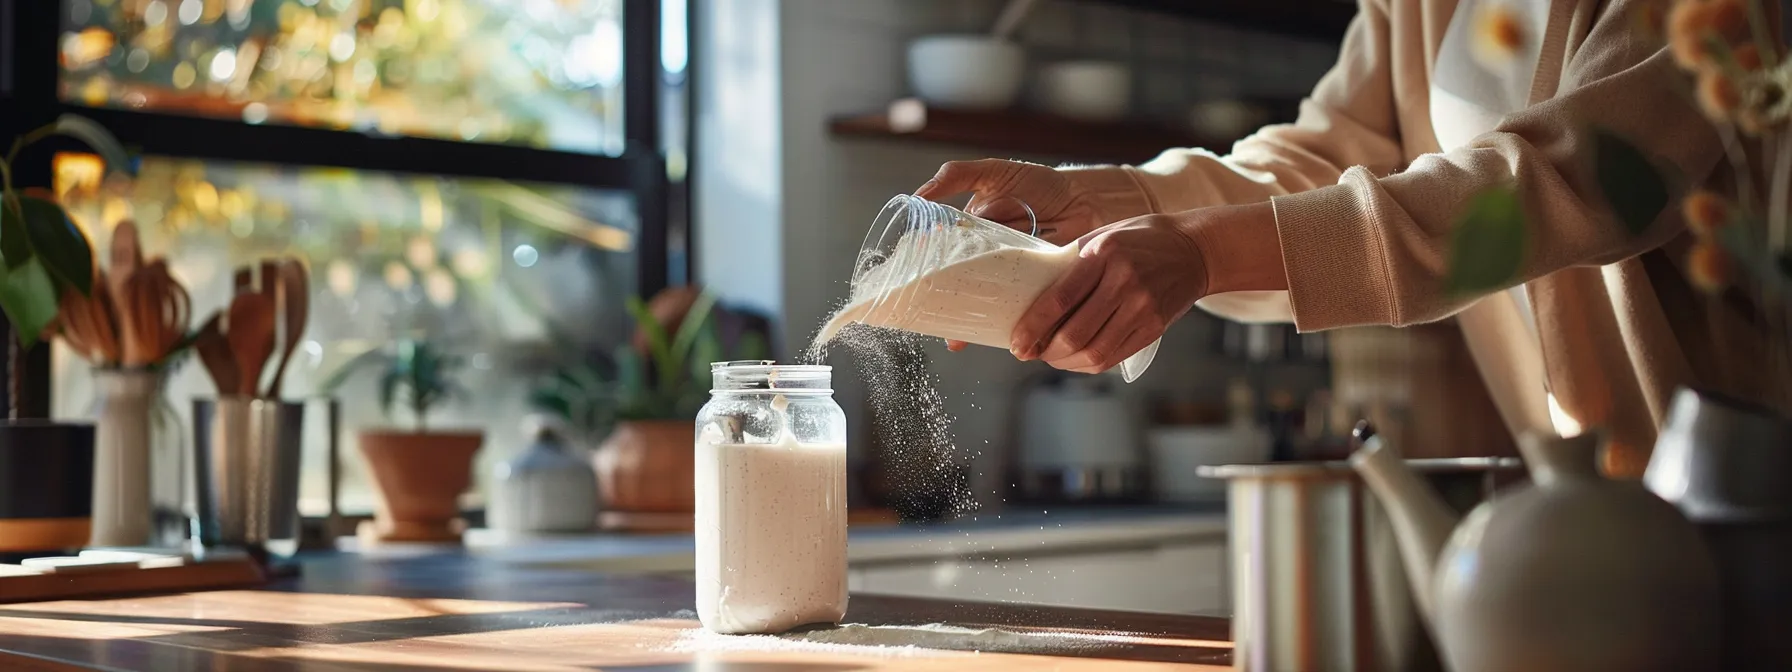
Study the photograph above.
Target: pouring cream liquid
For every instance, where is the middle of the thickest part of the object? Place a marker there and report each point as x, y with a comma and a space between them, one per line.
770, 532
977, 299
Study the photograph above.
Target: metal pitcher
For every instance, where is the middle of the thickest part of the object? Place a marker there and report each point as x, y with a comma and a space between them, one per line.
1317, 579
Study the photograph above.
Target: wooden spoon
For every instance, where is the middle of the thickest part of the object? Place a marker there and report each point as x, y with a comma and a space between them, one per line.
214, 351
167, 311
125, 257
251, 336
294, 293
243, 280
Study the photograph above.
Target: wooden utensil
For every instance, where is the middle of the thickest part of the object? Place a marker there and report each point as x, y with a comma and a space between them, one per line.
154, 316
214, 351
243, 280
88, 324
125, 258
294, 299
251, 336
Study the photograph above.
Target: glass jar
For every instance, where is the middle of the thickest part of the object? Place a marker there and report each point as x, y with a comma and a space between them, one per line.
771, 499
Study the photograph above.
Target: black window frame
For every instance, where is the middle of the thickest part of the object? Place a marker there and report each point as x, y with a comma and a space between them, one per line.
30, 31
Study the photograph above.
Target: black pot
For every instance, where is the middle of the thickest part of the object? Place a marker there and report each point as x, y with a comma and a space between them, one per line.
46, 486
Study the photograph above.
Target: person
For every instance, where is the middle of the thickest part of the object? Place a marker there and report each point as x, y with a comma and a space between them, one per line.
1343, 217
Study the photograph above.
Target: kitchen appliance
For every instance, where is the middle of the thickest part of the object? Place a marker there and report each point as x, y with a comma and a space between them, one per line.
1318, 583
1079, 442
1179, 452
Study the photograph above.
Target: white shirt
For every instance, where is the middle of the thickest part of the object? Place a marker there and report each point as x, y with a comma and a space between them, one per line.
1469, 98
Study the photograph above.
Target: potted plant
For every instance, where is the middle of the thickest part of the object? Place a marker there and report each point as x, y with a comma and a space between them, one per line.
644, 400
46, 468
420, 472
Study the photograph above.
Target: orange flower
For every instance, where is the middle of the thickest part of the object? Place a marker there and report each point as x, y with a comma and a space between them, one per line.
1498, 36
1693, 23
1651, 18
1718, 95
1705, 212
1747, 57
1708, 267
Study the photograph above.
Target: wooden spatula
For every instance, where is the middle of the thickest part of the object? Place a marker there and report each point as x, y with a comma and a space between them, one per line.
124, 258
214, 351
294, 293
251, 335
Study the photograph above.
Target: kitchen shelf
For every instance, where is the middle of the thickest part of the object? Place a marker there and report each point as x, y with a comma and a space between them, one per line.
1021, 132
1319, 19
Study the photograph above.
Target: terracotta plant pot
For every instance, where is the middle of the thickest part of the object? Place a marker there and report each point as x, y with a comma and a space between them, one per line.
647, 467
420, 477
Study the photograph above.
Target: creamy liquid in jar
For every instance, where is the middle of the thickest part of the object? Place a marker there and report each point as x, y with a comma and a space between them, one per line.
977, 299
771, 534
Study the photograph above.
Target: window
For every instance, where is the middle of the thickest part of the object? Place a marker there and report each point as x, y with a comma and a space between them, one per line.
494, 174
537, 73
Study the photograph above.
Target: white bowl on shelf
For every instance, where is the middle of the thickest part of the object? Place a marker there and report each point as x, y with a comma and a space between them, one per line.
1086, 90
1177, 452
966, 71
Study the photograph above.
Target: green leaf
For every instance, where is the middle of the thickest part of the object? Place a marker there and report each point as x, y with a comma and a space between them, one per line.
95, 136
342, 373
15, 249
389, 390
58, 244
1488, 242
707, 350
1634, 189
631, 374
29, 299
659, 345
695, 320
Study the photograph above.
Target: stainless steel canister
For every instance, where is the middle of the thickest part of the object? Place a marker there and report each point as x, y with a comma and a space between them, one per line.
1317, 580
246, 455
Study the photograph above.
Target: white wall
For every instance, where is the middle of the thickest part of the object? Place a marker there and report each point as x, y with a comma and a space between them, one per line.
846, 56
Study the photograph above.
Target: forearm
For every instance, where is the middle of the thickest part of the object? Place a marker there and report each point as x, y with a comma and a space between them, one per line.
1239, 248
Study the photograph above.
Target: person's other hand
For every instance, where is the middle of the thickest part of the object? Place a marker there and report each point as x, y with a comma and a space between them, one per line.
1064, 209
1134, 278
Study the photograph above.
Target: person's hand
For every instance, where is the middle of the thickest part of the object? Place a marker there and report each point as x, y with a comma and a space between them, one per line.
1063, 208
1134, 278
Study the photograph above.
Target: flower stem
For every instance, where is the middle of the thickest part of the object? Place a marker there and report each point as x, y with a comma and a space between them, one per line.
1778, 193
1757, 23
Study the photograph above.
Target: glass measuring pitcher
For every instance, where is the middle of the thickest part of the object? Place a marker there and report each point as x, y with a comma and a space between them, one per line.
933, 269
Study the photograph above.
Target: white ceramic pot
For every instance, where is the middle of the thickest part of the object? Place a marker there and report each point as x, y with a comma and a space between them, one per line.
966, 71
1572, 573
1087, 90
545, 489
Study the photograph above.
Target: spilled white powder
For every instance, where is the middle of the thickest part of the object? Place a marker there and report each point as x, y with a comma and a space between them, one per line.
959, 638
902, 641
700, 640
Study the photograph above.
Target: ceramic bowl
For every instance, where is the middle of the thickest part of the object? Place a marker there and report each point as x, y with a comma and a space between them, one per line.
966, 71
1087, 90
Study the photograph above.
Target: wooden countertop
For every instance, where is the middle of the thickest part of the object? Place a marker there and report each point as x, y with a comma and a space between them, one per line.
460, 612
